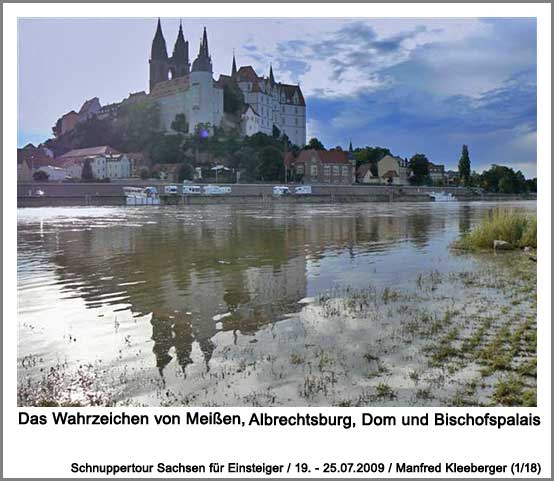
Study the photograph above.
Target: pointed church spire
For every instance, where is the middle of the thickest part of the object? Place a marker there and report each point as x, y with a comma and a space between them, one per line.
159, 49
234, 68
203, 62
205, 43
271, 78
350, 149
180, 50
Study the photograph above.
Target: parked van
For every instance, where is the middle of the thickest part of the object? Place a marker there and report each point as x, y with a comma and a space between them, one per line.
216, 190
303, 190
171, 189
281, 190
191, 189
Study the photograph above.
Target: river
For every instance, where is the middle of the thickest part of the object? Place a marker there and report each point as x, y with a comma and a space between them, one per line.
244, 305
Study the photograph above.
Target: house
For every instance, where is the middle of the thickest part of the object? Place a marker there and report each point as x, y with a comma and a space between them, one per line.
393, 170
169, 172
436, 172
138, 162
30, 159
364, 175
250, 121
451, 177
118, 166
66, 123
322, 166
54, 173
89, 109
98, 158
24, 173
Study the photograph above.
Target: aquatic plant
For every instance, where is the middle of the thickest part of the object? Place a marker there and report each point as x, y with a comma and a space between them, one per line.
517, 228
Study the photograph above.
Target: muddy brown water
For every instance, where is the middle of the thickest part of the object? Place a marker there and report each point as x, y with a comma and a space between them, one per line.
231, 305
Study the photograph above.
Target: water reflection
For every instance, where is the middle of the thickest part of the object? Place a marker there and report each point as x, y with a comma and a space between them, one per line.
203, 270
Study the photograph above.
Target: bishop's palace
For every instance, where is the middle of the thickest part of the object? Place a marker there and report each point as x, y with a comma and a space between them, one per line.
178, 87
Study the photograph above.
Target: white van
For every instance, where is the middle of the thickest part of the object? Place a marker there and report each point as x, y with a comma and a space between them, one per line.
303, 190
281, 190
191, 189
171, 189
216, 190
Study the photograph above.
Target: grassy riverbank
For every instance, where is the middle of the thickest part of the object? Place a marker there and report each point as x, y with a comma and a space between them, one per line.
518, 229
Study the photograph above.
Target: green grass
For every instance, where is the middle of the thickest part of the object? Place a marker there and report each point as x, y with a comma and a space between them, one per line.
519, 229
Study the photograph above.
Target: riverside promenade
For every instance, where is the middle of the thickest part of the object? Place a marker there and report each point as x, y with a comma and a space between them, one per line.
35, 194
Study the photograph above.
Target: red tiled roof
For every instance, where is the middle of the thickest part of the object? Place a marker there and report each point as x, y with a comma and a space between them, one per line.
325, 156
247, 74
289, 93
35, 157
89, 152
390, 174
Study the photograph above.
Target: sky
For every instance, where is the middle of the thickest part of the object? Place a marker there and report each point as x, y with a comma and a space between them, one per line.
412, 85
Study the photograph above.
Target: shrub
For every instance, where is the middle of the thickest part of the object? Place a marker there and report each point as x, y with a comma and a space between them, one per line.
518, 229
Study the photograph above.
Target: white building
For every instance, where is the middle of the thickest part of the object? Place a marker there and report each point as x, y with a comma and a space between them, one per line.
118, 167
55, 174
193, 93
178, 89
277, 104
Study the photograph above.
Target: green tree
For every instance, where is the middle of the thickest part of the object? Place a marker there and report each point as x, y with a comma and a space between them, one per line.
87, 175
271, 166
139, 124
40, 176
464, 167
180, 124
315, 143
233, 100
370, 155
144, 174
419, 165
167, 149
186, 172
276, 132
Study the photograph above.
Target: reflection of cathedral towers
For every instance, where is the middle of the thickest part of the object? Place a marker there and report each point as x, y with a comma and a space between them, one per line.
253, 297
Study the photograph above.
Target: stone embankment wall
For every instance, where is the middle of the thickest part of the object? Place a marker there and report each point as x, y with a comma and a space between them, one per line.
58, 194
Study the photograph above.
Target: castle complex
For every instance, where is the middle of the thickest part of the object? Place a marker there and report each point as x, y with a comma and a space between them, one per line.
179, 88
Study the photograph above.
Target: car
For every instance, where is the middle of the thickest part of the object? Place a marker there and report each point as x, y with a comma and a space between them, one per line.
281, 190
216, 190
171, 189
303, 190
192, 189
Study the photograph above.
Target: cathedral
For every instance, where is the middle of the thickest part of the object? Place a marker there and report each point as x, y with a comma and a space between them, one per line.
177, 87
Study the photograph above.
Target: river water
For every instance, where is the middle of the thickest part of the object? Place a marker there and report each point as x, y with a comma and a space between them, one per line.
222, 305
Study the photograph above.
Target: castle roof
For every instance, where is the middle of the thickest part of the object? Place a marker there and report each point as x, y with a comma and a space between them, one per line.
88, 105
289, 91
170, 87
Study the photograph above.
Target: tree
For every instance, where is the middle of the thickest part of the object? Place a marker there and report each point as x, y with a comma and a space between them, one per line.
144, 173
167, 149
504, 180
419, 165
186, 172
276, 132
271, 165
40, 176
464, 167
315, 143
233, 99
87, 175
139, 124
180, 124
370, 155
